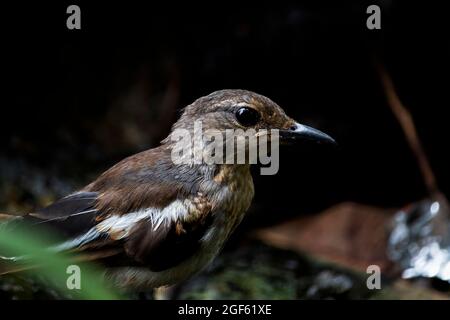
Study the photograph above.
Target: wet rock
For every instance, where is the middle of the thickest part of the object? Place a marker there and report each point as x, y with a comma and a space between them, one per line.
258, 271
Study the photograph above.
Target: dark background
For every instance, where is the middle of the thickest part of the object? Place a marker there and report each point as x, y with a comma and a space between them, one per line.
75, 102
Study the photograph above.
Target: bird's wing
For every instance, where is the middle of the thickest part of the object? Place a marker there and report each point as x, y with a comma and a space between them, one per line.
137, 215
69, 216
176, 235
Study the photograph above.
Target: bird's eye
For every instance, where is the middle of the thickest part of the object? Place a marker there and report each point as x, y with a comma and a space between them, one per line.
247, 116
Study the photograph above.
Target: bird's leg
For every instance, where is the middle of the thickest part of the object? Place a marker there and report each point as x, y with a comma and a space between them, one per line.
165, 293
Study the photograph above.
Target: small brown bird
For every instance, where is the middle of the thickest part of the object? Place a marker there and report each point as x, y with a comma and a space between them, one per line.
154, 222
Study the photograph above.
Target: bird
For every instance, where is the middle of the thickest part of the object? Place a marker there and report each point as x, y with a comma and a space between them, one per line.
152, 222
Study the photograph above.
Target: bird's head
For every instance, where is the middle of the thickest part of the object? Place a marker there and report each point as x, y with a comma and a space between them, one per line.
244, 113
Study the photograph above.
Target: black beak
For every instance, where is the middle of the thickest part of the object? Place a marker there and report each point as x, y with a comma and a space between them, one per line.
300, 132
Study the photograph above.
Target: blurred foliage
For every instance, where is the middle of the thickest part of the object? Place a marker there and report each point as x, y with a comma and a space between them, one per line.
48, 268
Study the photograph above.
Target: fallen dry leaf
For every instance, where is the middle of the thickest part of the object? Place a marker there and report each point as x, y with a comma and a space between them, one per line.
350, 234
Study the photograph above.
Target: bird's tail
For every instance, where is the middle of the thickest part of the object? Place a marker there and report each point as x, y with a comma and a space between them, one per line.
8, 266
4, 217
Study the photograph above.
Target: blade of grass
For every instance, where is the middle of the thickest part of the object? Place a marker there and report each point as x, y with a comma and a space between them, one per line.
53, 266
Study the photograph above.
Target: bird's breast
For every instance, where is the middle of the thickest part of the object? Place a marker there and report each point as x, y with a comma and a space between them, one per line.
233, 198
